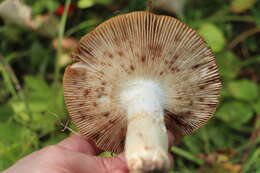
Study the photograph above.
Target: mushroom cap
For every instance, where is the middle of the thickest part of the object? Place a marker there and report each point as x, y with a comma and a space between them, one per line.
140, 45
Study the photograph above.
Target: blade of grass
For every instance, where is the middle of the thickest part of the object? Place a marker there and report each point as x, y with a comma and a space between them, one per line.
16, 88
252, 160
60, 38
187, 155
81, 26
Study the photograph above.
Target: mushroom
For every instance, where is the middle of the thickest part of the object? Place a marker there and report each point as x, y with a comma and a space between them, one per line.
135, 76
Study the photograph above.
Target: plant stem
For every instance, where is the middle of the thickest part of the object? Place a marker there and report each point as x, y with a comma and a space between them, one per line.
230, 18
251, 60
60, 38
243, 36
15, 85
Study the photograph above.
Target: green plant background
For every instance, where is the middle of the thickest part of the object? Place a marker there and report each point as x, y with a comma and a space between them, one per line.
32, 108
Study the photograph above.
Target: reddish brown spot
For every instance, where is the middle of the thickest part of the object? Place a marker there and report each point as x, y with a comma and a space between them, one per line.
143, 58
103, 83
179, 98
74, 82
196, 66
120, 53
201, 99
175, 57
95, 104
110, 55
102, 89
132, 67
191, 103
161, 73
86, 92
166, 62
202, 87
82, 104
106, 114
147, 148
175, 70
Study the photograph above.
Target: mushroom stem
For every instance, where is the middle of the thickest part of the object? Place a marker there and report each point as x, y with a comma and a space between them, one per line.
146, 140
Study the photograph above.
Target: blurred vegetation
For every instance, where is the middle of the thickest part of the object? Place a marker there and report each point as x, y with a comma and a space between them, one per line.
32, 60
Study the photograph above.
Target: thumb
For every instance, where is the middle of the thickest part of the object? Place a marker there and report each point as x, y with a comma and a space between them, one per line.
82, 163
111, 164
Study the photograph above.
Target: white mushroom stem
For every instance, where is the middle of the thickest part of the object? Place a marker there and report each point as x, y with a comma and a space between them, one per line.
146, 143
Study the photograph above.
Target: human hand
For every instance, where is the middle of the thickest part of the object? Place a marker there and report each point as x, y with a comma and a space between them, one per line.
72, 155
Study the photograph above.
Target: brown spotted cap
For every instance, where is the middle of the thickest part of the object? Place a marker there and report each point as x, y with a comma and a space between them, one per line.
147, 46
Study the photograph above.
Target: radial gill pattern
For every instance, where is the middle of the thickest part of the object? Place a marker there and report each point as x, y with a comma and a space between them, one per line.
145, 46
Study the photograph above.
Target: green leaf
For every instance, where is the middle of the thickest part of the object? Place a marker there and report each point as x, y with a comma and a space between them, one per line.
213, 36
42, 5
20, 110
17, 141
90, 3
43, 128
193, 144
238, 6
235, 113
229, 65
6, 112
243, 89
85, 3
37, 85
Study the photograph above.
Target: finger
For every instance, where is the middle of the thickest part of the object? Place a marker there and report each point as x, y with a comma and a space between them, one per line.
114, 164
82, 163
78, 143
